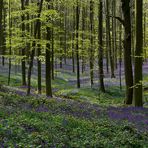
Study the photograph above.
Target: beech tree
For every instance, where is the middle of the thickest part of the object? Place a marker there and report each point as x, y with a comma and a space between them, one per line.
77, 43
138, 92
48, 56
91, 50
127, 51
23, 50
108, 36
33, 46
100, 37
10, 41
1, 26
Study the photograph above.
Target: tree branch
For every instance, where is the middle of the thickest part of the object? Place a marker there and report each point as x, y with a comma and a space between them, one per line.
120, 20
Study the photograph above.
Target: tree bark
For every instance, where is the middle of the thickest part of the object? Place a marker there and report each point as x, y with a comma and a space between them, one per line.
100, 49
48, 59
91, 42
23, 62
10, 42
127, 52
138, 91
83, 38
109, 40
38, 60
4, 34
77, 43
33, 50
73, 39
1, 26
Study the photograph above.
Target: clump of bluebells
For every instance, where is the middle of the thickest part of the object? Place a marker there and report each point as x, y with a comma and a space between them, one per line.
136, 115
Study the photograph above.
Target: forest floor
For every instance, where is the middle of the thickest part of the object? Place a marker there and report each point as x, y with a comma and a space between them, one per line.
65, 82
74, 117
63, 123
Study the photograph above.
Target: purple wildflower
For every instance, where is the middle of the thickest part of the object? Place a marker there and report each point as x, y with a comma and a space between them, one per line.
42, 108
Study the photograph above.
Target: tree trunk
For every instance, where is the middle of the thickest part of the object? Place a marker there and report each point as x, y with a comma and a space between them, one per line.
52, 58
114, 33
77, 44
83, 38
144, 36
10, 42
1, 26
33, 50
100, 42
91, 42
48, 59
127, 51
73, 39
23, 62
138, 92
28, 30
120, 51
4, 34
109, 40
65, 35
39, 61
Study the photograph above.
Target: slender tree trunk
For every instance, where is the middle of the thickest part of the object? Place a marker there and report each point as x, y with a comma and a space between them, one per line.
23, 62
48, 65
61, 53
4, 34
127, 52
33, 50
114, 33
73, 53
28, 30
144, 35
1, 27
132, 13
52, 58
91, 42
138, 92
83, 38
10, 50
77, 44
100, 42
65, 35
120, 52
39, 61
73, 39
106, 51
109, 40
48, 59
